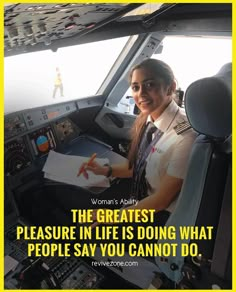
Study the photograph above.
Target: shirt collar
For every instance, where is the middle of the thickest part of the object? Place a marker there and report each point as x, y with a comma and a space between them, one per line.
166, 118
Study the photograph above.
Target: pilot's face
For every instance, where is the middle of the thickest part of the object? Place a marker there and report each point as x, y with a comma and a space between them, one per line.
149, 93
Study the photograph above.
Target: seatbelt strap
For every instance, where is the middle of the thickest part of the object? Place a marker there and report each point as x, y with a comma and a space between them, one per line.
223, 242
186, 209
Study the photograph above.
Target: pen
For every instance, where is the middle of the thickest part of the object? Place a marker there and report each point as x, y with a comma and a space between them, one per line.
91, 159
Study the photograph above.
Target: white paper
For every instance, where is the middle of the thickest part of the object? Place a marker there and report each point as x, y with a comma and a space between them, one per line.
64, 168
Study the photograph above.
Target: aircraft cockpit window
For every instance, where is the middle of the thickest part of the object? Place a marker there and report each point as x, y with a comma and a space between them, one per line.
191, 58
46, 77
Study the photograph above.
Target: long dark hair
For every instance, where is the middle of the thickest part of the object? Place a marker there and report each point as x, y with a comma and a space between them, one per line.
162, 71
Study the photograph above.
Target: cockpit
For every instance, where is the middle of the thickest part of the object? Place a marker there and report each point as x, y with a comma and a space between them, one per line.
67, 91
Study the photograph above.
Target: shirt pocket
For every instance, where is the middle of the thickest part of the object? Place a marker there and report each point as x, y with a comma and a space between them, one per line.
155, 168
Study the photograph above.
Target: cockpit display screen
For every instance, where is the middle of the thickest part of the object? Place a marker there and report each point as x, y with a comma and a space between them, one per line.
17, 157
42, 141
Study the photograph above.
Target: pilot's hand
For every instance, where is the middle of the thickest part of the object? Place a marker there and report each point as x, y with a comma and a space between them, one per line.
94, 167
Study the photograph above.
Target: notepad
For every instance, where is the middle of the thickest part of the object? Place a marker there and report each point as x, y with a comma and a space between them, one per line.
64, 168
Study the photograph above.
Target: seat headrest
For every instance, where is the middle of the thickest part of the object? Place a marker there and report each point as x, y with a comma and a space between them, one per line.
208, 104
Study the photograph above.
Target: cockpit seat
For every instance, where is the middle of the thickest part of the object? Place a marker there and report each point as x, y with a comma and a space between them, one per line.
205, 198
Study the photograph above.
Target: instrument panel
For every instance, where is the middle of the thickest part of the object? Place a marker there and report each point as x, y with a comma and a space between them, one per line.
19, 123
42, 141
23, 150
39, 117
25, 141
14, 125
17, 156
26, 144
65, 130
58, 272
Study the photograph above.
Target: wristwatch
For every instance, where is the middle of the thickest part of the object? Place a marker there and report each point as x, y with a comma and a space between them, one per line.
109, 173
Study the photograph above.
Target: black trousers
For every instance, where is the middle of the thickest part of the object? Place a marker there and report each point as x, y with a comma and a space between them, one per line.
51, 204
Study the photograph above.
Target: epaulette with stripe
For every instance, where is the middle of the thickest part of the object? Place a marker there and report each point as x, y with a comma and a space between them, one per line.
182, 127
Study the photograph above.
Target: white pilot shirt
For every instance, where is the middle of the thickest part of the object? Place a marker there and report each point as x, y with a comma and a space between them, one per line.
170, 154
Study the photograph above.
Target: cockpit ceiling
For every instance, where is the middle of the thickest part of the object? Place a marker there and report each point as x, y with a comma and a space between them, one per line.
32, 27
30, 24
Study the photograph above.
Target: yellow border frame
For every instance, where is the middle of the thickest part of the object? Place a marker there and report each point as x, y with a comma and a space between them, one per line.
2, 126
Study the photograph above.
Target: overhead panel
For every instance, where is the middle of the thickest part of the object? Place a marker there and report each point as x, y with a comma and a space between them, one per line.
26, 25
